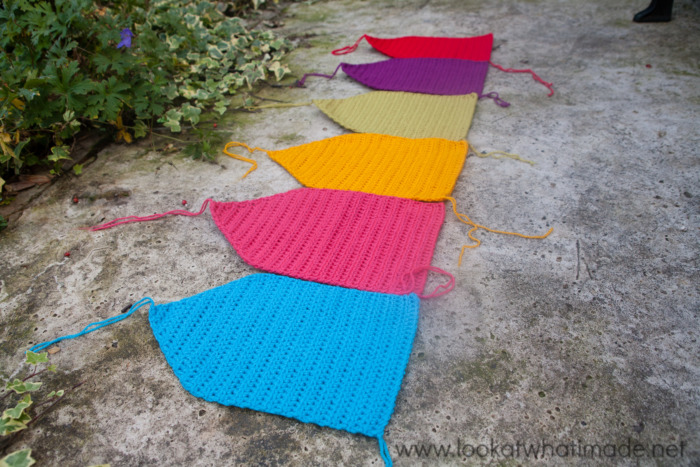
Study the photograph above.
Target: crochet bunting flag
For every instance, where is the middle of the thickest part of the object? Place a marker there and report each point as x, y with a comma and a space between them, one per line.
345, 238
425, 75
406, 114
317, 353
468, 48
421, 169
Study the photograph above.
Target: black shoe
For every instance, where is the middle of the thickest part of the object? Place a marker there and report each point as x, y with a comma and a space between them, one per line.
658, 11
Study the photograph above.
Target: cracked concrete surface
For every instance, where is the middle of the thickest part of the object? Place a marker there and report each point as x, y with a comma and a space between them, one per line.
589, 336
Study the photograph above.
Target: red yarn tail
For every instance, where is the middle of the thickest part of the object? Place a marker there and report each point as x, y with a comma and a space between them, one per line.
348, 49
440, 290
129, 219
534, 76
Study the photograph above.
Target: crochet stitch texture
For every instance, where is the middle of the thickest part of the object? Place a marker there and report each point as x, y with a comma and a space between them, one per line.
442, 76
406, 114
317, 353
346, 238
420, 169
320, 354
469, 48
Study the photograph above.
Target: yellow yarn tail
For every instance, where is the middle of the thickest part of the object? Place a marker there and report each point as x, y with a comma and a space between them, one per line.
500, 155
464, 218
281, 105
233, 144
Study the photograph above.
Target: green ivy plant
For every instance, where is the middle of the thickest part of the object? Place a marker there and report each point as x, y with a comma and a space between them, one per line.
120, 66
25, 411
22, 458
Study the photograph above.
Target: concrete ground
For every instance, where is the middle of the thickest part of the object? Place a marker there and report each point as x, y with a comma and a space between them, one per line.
587, 337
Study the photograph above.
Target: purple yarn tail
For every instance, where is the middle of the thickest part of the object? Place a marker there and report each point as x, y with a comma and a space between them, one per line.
496, 99
301, 82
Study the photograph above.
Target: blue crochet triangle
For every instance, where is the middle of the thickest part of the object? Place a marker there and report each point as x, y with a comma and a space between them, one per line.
318, 353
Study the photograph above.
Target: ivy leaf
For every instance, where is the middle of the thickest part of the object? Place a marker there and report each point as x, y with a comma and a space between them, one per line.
20, 387
8, 425
278, 69
16, 412
172, 120
59, 153
215, 53
191, 113
140, 129
174, 42
221, 106
78, 169
171, 91
36, 358
21, 458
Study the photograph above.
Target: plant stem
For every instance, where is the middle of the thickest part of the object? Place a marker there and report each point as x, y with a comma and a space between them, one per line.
54, 403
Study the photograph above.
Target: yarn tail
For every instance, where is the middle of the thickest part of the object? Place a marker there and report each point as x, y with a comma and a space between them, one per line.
464, 218
129, 219
350, 48
301, 82
439, 291
280, 105
234, 144
534, 76
97, 325
384, 452
500, 155
496, 98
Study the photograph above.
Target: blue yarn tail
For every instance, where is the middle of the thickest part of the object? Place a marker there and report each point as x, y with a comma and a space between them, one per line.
384, 452
95, 326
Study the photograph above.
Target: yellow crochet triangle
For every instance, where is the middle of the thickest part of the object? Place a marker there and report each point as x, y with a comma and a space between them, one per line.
407, 114
420, 169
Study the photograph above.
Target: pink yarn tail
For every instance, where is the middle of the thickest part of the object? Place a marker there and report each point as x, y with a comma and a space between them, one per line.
496, 98
130, 219
301, 82
440, 290
534, 76
348, 49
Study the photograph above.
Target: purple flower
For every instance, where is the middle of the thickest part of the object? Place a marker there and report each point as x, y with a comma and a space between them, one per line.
126, 38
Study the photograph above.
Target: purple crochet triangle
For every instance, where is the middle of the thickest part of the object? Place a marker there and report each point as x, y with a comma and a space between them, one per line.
444, 76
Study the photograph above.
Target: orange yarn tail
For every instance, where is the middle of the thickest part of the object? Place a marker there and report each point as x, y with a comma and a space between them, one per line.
464, 218
233, 144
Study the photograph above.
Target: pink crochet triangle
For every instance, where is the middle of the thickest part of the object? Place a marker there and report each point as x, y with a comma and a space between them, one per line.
345, 238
